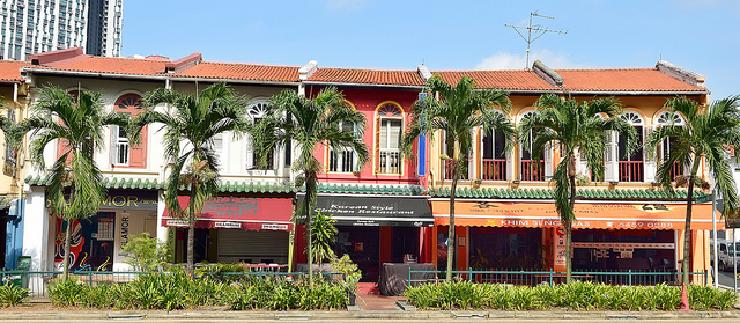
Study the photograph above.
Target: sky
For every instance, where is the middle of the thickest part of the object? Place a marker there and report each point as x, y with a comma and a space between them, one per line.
699, 35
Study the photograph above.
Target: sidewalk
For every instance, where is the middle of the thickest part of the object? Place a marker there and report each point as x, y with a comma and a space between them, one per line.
47, 314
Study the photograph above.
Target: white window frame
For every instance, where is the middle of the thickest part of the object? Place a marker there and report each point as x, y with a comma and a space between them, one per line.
120, 143
257, 110
339, 153
384, 147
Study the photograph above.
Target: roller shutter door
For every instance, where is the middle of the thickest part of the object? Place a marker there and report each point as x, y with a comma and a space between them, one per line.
254, 247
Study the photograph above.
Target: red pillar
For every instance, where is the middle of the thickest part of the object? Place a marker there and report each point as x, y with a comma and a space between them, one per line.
385, 252
299, 255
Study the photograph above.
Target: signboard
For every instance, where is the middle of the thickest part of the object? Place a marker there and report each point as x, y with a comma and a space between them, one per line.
649, 216
238, 213
367, 211
130, 199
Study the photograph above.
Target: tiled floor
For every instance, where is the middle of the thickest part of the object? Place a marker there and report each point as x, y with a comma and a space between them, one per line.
378, 302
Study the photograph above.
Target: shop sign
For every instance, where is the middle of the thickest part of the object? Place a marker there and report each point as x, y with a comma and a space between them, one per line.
130, 199
176, 223
274, 226
227, 225
362, 211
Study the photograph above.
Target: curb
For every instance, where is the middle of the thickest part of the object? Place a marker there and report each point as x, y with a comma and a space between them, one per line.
365, 314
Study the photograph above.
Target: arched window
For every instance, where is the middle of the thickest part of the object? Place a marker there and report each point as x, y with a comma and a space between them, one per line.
631, 167
123, 153
390, 125
667, 118
258, 110
531, 170
494, 155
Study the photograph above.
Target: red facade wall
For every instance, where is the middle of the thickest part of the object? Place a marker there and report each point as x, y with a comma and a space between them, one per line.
368, 100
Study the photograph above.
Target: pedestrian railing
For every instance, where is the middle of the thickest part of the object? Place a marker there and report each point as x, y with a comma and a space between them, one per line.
37, 282
550, 277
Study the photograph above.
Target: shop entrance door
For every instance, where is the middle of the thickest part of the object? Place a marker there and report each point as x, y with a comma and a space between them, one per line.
362, 245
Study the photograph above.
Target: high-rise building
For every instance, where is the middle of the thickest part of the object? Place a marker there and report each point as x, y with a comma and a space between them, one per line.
34, 26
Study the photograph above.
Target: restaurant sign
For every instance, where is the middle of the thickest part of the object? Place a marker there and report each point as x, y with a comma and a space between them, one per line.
128, 199
366, 211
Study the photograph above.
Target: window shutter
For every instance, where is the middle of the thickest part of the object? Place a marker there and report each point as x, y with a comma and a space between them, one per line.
113, 144
651, 166
548, 161
249, 150
137, 153
611, 169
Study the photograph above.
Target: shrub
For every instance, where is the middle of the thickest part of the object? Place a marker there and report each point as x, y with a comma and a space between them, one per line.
64, 293
144, 253
12, 295
577, 296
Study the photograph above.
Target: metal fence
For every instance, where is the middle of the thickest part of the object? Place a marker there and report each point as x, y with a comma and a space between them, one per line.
533, 278
38, 282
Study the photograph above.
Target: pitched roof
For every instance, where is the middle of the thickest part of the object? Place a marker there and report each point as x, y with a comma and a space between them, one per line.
108, 65
366, 76
503, 79
623, 79
251, 72
10, 71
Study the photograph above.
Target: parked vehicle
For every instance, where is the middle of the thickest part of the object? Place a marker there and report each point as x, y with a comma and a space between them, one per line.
726, 249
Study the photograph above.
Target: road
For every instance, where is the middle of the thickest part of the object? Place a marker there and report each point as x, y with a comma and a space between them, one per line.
703, 320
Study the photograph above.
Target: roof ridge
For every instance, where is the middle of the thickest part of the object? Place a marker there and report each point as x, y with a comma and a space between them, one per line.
605, 69
482, 71
249, 64
372, 69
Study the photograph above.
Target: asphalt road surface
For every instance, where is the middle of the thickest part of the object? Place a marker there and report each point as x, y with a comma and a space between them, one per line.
725, 279
703, 320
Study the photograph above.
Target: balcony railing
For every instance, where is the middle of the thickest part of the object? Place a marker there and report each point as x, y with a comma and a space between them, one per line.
389, 162
631, 170
532, 171
676, 170
448, 170
494, 170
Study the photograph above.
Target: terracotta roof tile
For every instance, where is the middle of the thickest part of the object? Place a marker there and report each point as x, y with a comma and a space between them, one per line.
622, 79
503, 79
366, 76
210, 70
10, 71
109, 65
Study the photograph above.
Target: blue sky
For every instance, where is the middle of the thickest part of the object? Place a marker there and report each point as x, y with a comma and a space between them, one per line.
700, 35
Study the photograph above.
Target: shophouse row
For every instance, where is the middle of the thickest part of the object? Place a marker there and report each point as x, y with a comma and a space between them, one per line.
392, 209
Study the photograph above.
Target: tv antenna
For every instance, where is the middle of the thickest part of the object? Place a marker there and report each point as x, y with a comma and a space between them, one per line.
533, 32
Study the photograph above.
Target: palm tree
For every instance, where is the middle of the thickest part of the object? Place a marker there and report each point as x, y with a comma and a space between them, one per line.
457, 111
310, 122
707, 132
77, 123
577, 128
190, 125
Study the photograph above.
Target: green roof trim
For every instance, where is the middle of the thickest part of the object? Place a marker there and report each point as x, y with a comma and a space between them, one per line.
375, 189
115, 183
132, 183
548, 194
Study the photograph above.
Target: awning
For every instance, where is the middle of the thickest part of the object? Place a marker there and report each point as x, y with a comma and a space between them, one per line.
400, 211
649, 215
238, 213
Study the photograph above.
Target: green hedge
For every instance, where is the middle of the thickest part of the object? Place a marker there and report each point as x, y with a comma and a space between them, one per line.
178, 291
577, 296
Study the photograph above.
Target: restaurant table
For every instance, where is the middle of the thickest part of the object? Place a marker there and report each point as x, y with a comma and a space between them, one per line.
394, 277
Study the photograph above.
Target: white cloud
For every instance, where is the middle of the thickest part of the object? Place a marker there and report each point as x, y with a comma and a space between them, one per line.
344, 5
506, 60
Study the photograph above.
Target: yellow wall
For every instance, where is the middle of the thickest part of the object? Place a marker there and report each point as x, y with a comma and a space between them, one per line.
10, 179
648, 107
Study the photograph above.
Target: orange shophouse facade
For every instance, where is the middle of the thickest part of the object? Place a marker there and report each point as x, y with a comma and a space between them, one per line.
380, 212
505, 216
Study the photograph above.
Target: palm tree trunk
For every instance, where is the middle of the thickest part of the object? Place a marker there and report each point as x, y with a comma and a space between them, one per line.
687, 227
568, 224
307, 210
67, 247
191, 232
451, 233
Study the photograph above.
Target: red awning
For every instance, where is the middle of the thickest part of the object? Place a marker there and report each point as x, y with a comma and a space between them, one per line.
238, 213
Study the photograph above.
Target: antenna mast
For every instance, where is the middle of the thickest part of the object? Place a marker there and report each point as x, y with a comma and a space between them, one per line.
533, 32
